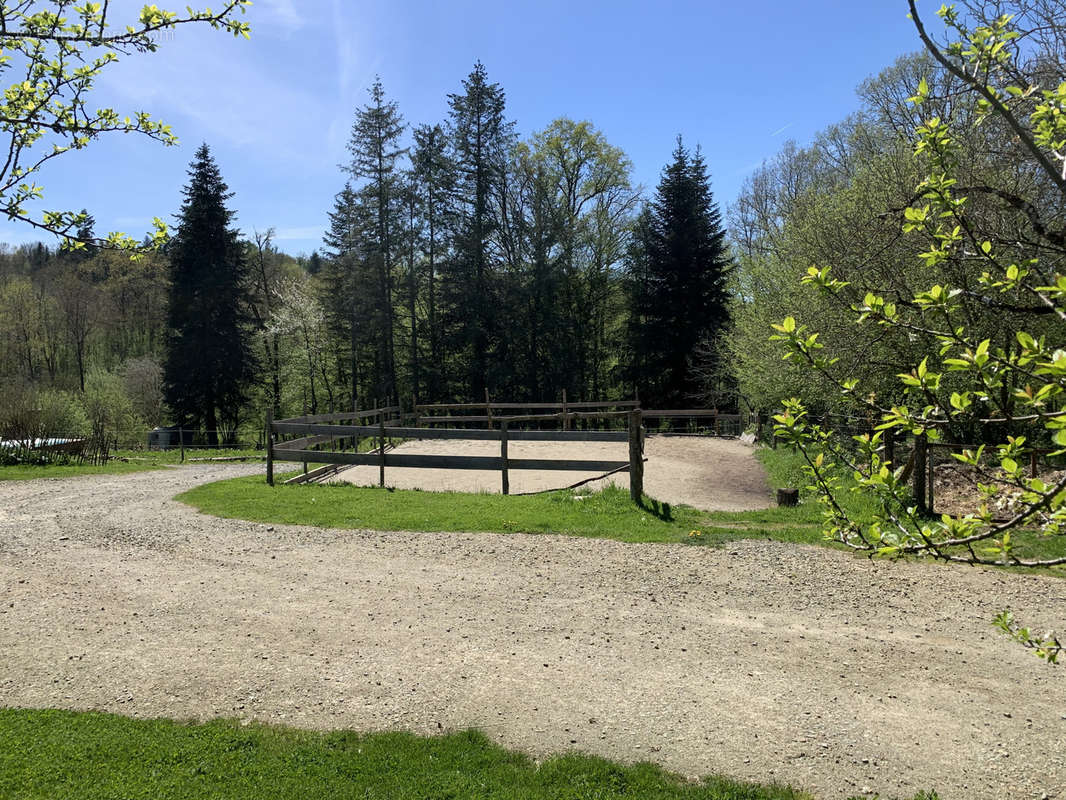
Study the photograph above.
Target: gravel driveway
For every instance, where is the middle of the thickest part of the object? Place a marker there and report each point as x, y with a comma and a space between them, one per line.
760, 660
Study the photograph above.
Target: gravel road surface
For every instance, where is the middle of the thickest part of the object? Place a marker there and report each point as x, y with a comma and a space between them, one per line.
760, 660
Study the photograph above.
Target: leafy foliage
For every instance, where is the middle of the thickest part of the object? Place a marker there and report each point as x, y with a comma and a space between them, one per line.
967, 376
53, 53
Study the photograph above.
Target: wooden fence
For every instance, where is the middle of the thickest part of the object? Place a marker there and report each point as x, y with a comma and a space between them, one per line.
492, 413
920, 463
310, 432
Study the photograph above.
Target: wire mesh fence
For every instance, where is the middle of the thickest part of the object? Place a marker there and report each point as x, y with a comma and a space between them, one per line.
64, 447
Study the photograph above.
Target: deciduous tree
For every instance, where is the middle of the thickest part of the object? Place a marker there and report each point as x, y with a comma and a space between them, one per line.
54, 52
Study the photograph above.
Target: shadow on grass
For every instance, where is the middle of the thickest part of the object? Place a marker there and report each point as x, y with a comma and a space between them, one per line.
656, 509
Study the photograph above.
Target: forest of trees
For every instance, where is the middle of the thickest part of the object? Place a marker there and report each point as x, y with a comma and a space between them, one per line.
458, 259
841, 203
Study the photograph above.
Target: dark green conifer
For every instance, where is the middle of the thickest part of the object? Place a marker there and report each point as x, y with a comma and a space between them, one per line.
677, 275
209, 362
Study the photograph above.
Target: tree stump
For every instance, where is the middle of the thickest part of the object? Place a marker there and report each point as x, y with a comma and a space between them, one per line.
788, 497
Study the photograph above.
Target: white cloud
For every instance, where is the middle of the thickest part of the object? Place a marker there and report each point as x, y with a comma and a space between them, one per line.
282, 13
251, 105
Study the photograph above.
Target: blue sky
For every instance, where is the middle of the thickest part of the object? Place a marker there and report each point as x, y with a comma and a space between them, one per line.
737, 78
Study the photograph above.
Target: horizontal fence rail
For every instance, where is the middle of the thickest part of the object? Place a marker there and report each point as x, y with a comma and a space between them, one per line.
494, 463
323, 433
326, 430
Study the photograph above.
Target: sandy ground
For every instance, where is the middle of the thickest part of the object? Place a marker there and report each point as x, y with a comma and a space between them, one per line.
760, 660
710, 474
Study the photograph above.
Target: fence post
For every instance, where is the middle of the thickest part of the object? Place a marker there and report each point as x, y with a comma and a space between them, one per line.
270, 446
566, 415
504, 461
919, 474
636, 457
488, 406
381, 450
181, 443
931, 480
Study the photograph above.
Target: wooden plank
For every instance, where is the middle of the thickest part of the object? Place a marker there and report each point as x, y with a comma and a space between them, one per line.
568, 436
319, 429
470, 434
602, 404
484, 434
570, 466
371, 413
412, 460
452, 420
599, 414
392, 459
527, 406
269, 446
472, 406
326, 470
686, 412
314, 431
636, 459
381, 452
504, 465
308, 441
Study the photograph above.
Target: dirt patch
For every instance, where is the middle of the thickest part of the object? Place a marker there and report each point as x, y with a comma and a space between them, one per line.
761, 661
957, 492
706, 473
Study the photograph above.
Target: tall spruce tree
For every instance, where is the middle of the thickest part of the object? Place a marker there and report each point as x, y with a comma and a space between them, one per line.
209, 361
348, 305
375, 149
433, 179
481, 140
677, 274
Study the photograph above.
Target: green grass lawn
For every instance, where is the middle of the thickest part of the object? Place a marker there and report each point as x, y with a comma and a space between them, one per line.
608, 513
605, 514
91, 756
121, 461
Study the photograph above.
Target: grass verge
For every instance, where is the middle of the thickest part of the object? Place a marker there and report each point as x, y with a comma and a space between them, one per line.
605, 514
122, 461
92, 756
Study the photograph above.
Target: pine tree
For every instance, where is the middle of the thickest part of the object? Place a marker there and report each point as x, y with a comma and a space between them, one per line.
209, 362
346, 303
676, 274
433, 178
481, 139
374, 146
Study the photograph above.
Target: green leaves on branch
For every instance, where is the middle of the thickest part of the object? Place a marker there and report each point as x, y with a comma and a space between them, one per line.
965, 380
1046, 646
58, 53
